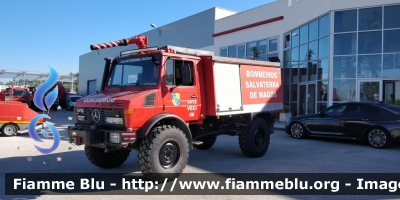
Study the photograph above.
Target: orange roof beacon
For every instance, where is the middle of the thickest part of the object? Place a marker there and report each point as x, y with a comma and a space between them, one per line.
15, 116
164, 101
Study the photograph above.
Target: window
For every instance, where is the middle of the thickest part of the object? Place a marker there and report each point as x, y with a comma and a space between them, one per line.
369, 66
287, 41
232, 51
392, 16
370, 42
361, 110
323, 26
344, 90
346, 21
137, 71
273, 45
304, 34
262, 50
313, 30
370, 19
295, 38
242, 51
323, 49
223, 52
345, 44
174, 72
335, 111
18, 93
251, 49
391, 41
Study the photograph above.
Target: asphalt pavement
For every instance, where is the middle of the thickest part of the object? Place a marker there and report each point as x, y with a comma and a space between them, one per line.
285, 155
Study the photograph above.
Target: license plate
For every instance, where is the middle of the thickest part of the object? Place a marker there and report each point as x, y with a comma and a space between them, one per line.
113, 120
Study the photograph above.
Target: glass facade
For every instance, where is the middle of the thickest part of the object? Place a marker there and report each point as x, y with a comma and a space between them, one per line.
366, 50
365, 59
255, 50
346, 55
306, 62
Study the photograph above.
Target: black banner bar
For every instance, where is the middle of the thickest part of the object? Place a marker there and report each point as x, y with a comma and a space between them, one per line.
203, 184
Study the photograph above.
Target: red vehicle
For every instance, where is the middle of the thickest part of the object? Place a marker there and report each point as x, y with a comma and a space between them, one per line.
164, 101
60, 101
15, 116
15, 94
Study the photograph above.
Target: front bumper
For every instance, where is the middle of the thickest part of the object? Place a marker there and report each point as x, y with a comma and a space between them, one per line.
90, 135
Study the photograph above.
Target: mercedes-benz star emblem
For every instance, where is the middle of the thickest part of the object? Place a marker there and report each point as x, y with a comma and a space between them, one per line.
96, 115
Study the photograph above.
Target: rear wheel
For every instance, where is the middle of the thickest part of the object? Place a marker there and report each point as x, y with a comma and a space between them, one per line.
9, 129
254, 141
112, 159
163, 153
208, 142
378, 138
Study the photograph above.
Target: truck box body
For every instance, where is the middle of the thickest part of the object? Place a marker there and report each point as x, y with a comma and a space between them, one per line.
235, 86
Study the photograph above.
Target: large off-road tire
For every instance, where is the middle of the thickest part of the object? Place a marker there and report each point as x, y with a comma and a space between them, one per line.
378, 138
98, 157
9, 129
208, 142
254, 141
163, 153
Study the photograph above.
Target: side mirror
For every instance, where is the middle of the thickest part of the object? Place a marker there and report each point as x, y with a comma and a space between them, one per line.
186, 74
321, 114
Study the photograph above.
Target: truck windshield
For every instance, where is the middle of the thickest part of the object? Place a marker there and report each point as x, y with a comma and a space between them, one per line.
136, 71
18, 93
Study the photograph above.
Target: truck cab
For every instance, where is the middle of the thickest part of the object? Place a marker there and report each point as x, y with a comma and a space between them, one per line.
164, 101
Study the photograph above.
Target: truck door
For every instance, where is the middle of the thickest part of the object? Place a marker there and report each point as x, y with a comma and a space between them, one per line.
181, 99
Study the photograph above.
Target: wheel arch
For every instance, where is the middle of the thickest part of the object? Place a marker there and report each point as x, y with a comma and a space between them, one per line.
268, 117
166, 118
301, 123
10, 123
365, 135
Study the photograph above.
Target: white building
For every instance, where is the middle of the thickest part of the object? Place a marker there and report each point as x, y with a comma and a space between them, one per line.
194, 31
330, 50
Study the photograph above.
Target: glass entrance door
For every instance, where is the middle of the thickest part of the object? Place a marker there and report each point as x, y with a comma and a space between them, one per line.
369, 90
392, 92
307, 98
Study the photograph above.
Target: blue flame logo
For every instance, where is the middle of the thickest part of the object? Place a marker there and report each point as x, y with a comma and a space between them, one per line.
49, 101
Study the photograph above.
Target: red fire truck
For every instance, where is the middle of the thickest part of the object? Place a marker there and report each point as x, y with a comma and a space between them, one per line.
15, 94
15, 116
164, 101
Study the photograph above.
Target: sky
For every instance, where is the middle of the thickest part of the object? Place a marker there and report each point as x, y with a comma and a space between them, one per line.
35, 34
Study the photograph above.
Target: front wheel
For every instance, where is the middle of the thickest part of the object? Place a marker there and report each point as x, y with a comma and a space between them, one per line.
254, 141
297, 131
163, 153
378, 138
98, 157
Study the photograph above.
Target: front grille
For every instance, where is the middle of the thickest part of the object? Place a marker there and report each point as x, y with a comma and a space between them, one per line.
104, 112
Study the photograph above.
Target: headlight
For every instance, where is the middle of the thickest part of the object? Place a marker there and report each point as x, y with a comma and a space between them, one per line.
288, 120
114, 138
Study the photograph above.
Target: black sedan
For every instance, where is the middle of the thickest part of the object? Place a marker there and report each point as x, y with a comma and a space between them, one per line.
377, 123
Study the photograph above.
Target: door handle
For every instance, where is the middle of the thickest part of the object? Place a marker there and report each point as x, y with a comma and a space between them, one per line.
194, 96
